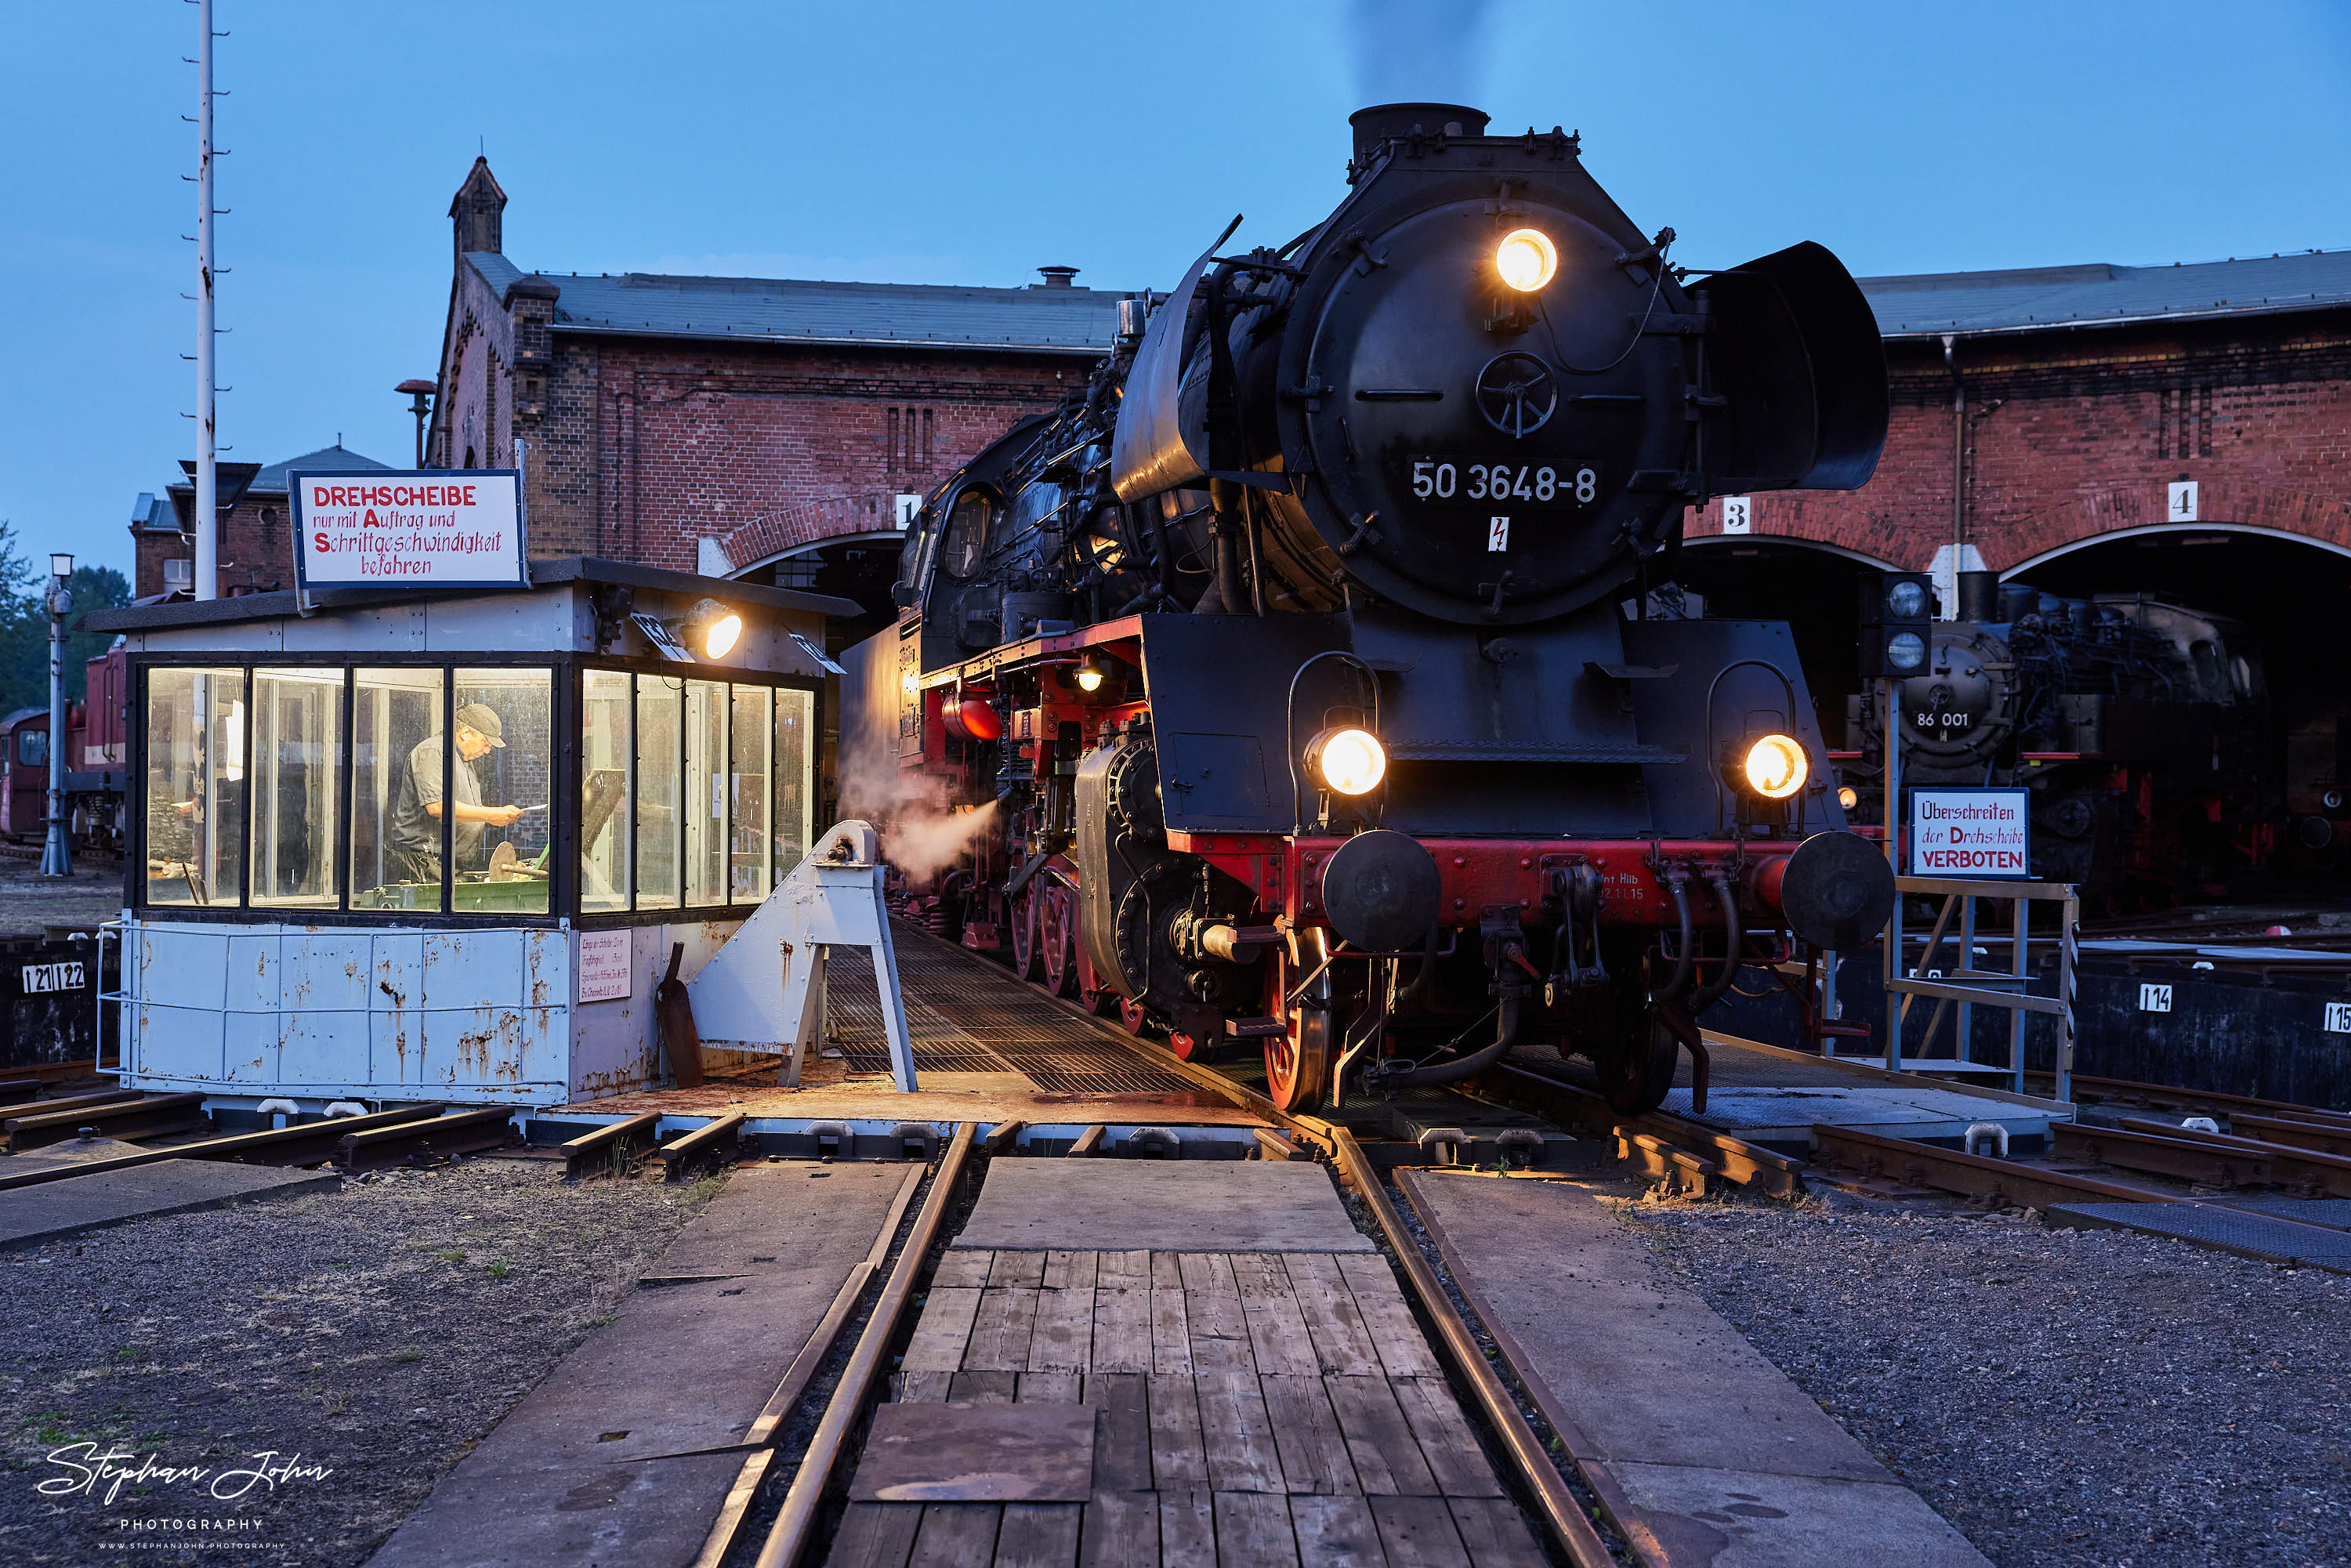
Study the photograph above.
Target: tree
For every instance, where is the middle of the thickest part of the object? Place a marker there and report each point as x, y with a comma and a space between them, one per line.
25, 626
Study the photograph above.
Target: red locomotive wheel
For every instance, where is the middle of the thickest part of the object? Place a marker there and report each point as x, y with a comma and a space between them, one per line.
1026, 957
1057, 934
1297, 1063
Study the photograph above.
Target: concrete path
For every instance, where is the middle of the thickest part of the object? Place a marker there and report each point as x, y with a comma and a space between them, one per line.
625, 1452
35, 1214
1161, 1206
1703, 1450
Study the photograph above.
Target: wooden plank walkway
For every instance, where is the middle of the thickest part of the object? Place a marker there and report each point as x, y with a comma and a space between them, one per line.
1253, 1410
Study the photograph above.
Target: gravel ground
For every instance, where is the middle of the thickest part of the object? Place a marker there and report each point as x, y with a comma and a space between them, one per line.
94, 892
377, 1333
2060, 1396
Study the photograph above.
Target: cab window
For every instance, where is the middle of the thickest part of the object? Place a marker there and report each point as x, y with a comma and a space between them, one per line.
966, 534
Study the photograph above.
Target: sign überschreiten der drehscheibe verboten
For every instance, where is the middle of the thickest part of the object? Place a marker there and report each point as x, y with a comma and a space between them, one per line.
1971, 833
386, 527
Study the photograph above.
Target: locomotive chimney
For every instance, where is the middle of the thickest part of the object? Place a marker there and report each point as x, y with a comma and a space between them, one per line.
1383, 122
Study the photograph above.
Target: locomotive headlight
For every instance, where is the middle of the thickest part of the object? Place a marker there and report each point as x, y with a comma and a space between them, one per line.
1848, 796
1905, 651
1089, 672
1347, 762
1775, 767
1527, 259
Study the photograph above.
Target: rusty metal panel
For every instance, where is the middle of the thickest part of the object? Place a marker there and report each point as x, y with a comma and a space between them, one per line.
184, 969
178, 1043
473, 969
324, 1048
249, 1048
323, 971
253, 971
546, 967
396, 1048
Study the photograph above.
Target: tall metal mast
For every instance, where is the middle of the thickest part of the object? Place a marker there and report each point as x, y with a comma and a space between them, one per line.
207, 515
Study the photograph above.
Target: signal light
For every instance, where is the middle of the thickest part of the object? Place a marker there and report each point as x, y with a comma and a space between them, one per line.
1847, 797
1897, 610
1347, 762
1527, 259
1774, 767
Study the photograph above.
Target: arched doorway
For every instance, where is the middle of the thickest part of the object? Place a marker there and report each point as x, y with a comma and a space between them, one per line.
2284, 834
857, 567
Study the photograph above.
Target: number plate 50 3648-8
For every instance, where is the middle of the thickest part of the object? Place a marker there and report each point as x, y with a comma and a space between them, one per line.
1562, 484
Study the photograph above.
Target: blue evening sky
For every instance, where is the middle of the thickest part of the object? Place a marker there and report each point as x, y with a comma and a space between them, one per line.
909, 141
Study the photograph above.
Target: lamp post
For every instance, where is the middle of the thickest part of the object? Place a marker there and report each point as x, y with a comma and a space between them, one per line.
420, 403
56, 852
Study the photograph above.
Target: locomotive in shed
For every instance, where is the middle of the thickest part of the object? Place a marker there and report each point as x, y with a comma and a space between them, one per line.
2144, 729
1293, 683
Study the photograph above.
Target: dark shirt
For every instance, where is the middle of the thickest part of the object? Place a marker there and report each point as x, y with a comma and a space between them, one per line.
415, 833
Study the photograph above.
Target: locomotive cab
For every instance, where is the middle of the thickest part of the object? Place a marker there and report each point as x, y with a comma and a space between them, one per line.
1295, 675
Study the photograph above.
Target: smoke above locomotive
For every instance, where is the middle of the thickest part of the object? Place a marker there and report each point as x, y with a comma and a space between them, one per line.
1298, 638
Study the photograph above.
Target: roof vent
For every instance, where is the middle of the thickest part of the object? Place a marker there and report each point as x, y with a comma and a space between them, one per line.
1056, 277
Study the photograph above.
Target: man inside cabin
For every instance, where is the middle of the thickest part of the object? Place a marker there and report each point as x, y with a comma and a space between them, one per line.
415, 834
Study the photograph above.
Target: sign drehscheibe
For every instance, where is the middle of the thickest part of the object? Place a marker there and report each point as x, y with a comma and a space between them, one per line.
386, 527
1977, 833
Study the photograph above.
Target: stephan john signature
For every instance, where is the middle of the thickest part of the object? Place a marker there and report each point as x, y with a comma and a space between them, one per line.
119, 1467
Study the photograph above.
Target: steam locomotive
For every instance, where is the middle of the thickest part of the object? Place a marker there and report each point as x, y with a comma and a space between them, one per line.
1295, 678
2142, 726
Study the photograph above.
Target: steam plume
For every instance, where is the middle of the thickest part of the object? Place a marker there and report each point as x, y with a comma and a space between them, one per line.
1416, 50
922, 832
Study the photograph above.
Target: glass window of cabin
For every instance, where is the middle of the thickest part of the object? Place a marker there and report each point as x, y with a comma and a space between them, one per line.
966, 536
297, 786
705, 792
795, 746
195, 786
32, 746
604, 757
503, 778
749, 847
660, 699
396, 748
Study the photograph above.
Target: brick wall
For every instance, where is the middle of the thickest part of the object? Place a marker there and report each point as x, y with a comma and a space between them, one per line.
2075, 433
255, 544
646, 447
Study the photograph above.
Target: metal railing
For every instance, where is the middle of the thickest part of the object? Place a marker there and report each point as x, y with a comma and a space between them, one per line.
1971, 988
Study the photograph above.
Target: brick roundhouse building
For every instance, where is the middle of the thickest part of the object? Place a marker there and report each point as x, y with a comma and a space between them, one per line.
726, 424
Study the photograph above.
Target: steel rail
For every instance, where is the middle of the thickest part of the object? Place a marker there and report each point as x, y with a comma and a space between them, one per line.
1974, 1175
310, 1142
720, 1542
789, 1537
139, 1117
458, 1133
2164, 1094
1565, 1520
1560, 1513
1748, 1164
